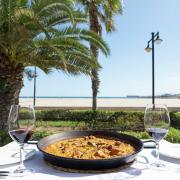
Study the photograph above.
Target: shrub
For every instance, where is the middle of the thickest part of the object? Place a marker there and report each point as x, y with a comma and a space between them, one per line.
122, 120
40, 134
175, 119
4, 138
94, 119
140, 135
173, 135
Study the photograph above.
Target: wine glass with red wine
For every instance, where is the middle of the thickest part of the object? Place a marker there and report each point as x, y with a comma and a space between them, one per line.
157, 123
21, 123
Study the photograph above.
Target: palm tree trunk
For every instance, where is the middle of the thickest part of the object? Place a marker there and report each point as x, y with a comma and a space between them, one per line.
11, 82
95, 88
94, 26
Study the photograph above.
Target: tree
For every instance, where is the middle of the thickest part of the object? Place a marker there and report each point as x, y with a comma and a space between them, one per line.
42, 34
99, 12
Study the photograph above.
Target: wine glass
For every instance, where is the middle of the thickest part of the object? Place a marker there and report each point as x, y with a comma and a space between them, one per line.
157, 123
21, 122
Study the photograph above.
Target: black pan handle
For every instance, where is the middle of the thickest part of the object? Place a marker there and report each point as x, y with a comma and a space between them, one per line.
4, 171
149, 140
32, 142
151, 146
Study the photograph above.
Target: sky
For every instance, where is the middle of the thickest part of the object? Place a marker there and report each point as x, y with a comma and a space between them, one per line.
128, 70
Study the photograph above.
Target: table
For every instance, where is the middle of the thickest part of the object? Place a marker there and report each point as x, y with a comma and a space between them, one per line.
137, 171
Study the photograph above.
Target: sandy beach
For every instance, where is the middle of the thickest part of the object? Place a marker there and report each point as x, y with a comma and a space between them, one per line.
102, 102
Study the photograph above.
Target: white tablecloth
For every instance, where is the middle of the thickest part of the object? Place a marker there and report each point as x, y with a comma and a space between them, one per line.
137, 171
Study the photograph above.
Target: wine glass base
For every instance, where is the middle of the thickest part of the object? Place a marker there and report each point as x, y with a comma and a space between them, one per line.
21, 172
158, 166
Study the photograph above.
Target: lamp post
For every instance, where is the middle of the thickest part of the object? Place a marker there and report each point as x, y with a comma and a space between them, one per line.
154, 38
34, 97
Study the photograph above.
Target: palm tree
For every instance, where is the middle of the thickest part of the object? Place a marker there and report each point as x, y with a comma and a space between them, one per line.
42, 34
99, 12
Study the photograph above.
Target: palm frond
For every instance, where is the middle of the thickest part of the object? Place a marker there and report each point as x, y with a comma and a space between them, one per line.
29, 73
60, 18
41, 34
107, 11
56, 8
82, 34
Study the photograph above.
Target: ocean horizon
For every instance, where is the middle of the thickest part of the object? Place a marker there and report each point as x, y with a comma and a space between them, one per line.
73, 97
164, 96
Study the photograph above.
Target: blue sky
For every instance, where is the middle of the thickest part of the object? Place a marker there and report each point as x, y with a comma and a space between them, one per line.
127, 71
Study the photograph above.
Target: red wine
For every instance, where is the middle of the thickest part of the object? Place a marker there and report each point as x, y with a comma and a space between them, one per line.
21, 135
157, 133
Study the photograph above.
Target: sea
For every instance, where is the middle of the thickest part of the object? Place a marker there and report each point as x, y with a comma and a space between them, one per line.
77, 97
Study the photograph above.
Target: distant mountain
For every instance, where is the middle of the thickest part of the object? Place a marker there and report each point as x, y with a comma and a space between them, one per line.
158, 96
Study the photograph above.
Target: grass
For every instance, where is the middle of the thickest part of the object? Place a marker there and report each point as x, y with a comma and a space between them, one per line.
172, 136
57, 123
94, 124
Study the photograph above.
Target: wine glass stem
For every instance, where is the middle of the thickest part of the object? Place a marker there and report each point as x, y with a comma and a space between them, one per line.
21, 165
157, 153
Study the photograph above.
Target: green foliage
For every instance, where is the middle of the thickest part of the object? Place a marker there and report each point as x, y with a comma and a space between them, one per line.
138, 134
173, 135
62, 123
122, 119
4, 138
44, 34
78, 115
40, 134
106, 11
175, 119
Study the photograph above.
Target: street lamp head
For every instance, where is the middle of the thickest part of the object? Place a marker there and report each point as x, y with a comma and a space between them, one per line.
158, 40
148, 49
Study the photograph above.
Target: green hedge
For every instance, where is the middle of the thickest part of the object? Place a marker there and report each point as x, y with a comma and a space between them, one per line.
132, 120
126, 119
94, 119
173, 135
4, 138
82, 115
175, 119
